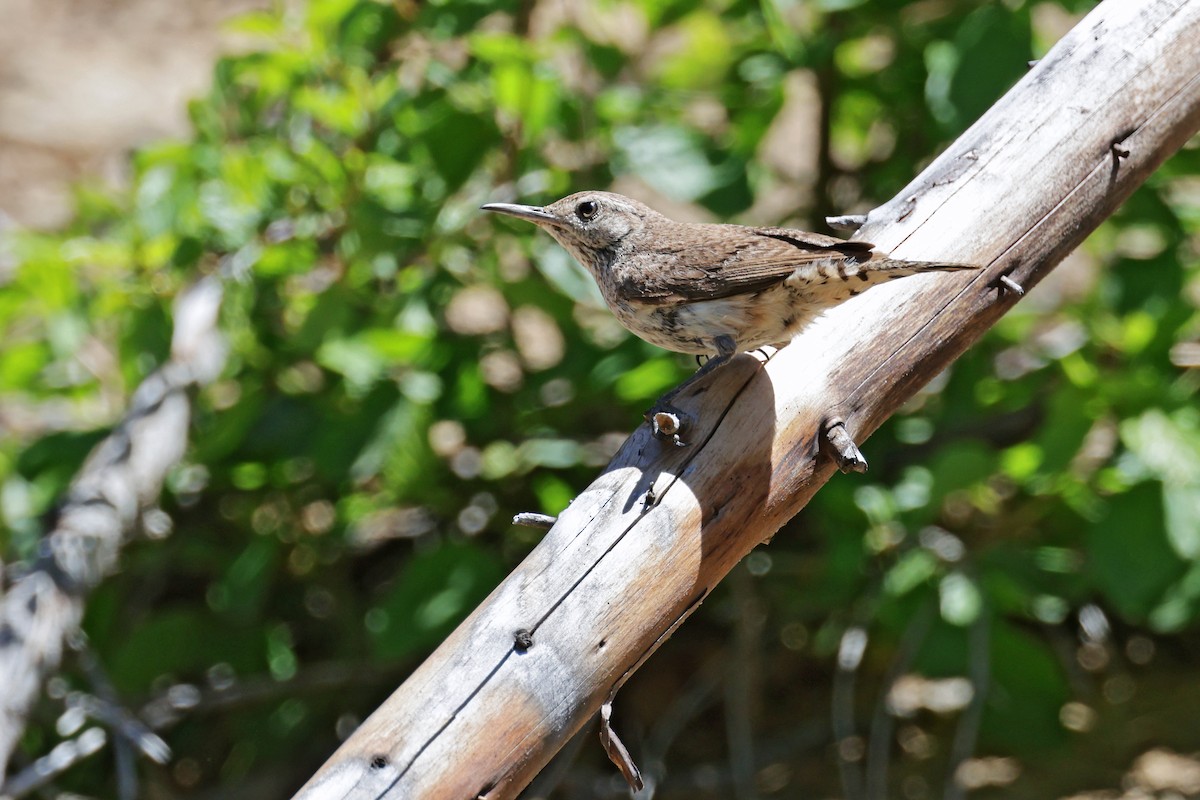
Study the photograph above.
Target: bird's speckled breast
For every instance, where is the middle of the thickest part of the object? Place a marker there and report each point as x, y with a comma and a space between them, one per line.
769, 317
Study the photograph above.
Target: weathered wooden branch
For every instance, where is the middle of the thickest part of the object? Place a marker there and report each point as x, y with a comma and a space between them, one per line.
115, 489
616, 575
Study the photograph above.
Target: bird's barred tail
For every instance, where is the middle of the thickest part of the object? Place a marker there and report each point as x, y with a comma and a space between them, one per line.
840, 278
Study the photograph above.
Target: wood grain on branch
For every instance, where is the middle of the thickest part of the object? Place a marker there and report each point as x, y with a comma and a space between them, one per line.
618, 572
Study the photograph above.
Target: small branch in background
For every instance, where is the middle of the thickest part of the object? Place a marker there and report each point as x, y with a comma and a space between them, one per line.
849, 745
121, 478
699, 693
64, 756
126, 763
883, 723
979, 668
170, 707
124, 725
741, 679
130, 735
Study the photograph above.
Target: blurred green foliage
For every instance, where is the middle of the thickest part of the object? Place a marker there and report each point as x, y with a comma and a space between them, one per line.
406, 374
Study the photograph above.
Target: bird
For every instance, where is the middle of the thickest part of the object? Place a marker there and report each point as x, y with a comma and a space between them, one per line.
707, 288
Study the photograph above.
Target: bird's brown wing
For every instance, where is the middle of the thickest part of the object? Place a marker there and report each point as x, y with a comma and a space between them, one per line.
723, 260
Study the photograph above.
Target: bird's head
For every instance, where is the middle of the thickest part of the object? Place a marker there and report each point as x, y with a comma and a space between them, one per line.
592, 226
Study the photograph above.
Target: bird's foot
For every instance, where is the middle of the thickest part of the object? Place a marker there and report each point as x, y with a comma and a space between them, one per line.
667, 422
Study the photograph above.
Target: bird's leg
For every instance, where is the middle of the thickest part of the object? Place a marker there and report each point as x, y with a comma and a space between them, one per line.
667, 421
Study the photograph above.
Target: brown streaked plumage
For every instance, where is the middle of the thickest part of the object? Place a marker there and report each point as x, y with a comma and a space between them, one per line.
706, 288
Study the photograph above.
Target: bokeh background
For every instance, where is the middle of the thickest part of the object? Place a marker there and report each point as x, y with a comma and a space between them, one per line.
1020, 569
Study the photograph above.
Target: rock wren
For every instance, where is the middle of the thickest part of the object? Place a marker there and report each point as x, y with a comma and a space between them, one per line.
709, 289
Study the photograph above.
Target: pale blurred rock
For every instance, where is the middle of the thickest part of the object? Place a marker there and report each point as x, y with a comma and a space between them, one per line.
82, 82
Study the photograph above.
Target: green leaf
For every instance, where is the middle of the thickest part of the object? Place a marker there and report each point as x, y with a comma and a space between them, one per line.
1026, 692
702, 55
647, 380
431, 595
554, 494
912, 570
1129, 556
183, 641
356, 359
669, 157
390, 183
994, 46
959, 599
1168, 446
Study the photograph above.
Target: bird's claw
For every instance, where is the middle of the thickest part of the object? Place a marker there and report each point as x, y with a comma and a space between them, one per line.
667, 423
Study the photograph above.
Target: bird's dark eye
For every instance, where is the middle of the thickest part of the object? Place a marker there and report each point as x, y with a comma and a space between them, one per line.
586, 210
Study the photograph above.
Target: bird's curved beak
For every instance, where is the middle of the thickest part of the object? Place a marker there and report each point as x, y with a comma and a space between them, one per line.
535, 214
